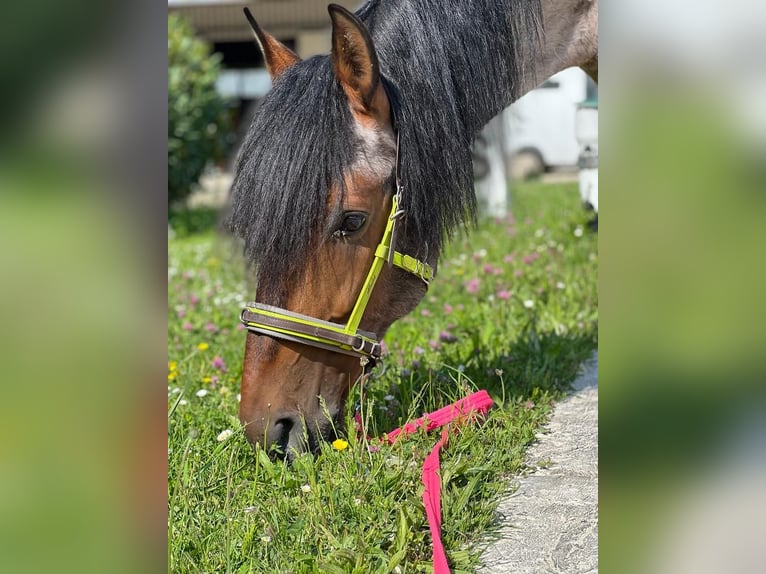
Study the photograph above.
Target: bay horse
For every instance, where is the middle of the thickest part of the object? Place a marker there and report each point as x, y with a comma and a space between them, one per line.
354, 172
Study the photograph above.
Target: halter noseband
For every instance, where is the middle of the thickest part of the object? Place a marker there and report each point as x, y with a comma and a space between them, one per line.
348, 339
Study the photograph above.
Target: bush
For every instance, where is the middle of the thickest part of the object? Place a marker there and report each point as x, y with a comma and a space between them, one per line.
198, 120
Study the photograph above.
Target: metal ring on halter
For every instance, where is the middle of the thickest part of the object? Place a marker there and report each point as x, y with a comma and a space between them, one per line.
420, 270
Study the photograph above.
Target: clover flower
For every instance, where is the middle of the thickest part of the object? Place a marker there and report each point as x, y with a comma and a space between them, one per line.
218, 363
447, 337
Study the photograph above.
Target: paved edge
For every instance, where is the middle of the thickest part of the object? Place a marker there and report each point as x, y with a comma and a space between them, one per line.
550, 523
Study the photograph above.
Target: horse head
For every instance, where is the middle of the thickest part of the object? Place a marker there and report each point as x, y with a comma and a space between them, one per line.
327, 205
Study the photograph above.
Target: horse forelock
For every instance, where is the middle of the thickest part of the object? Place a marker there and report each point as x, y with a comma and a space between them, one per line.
300, 143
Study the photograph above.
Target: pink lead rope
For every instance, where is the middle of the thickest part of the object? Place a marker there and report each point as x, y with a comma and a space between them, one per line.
432, 500
477, 403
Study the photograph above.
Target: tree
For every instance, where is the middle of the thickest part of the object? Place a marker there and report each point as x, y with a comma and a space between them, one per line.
198, 120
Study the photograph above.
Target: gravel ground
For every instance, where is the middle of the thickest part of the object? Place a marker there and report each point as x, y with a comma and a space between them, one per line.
550, 523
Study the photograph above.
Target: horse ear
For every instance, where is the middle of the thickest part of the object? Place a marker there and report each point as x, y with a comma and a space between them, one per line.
356, 64
278, 57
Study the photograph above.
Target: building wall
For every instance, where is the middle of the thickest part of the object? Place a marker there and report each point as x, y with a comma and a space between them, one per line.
223, 21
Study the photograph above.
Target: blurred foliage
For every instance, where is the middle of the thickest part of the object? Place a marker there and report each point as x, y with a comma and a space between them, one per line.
198, 122
682, 332
187, 222
73, 27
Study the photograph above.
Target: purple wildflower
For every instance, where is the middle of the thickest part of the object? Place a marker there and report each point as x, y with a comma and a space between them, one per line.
210, 328
503, 294
528, 259
447, 308
472, 286
447, 337
219, 364
187, 326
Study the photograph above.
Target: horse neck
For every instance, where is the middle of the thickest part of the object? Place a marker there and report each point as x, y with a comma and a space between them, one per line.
471, 58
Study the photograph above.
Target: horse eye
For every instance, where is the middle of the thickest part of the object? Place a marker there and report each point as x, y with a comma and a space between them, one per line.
353, 221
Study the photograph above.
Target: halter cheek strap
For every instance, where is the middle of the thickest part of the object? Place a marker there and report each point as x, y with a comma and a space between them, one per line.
348, 338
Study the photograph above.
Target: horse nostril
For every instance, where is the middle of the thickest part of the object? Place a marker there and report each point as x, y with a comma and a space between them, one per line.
279, 435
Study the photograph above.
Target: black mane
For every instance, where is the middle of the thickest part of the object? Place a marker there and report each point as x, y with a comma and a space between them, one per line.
450, 67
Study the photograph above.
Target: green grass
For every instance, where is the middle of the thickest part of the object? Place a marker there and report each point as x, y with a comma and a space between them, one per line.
234, 510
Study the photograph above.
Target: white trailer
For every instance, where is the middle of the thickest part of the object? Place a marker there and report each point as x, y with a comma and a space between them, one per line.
541, 125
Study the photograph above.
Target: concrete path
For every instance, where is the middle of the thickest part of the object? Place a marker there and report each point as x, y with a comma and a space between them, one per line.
550, 524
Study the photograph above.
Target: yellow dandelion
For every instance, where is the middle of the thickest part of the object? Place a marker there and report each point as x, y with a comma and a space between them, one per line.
172, 366
205, 379
339, 444
172, 375
203, 346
